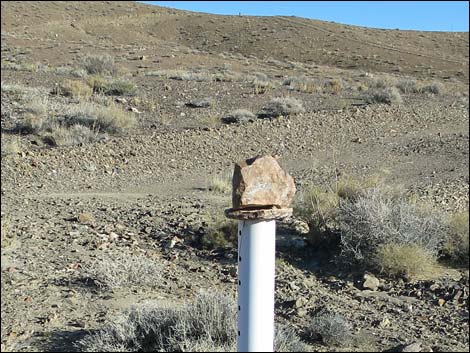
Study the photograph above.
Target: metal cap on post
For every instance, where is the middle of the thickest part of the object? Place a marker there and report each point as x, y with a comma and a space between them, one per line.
262, 193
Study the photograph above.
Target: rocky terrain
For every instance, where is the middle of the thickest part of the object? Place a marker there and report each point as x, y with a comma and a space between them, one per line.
146, 193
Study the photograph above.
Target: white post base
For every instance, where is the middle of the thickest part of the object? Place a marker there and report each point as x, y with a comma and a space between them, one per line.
256, 267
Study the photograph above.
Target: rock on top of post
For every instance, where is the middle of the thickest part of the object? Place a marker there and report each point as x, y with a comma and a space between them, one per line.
260, 182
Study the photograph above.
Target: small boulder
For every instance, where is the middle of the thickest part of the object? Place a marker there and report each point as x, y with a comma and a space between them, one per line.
261, 182
413, 347
370, 282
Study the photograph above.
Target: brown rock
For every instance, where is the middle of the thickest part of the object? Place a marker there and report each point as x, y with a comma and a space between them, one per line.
261, 182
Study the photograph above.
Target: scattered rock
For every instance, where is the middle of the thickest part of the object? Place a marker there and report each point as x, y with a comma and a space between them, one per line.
134, 110
260, 181
384, 323
370, 282
356, 140
413, 347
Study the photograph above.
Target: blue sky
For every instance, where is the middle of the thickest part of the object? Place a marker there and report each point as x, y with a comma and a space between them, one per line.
415, 15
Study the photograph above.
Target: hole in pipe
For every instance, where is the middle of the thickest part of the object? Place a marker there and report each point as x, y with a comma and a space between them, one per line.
239, 308
239, 258
238, 333
239, 232
239, 283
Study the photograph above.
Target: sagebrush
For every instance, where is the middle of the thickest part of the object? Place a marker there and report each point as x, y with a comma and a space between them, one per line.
206, 324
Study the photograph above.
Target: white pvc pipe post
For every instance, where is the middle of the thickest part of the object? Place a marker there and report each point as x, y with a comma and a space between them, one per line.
256, 267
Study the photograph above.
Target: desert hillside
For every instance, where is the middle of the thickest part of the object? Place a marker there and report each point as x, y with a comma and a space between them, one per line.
120, 126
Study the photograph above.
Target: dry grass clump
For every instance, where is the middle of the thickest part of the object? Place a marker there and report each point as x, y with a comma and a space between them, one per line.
10, 147
433, 88
74, 89
124, 270
260, 86
333, 329
286, 340
205, 324
219, 233
7, 236
318, 208
373, 226
58, 135
300, 84
239, 116
30, 124
382, 82
207, 321
97, 83
456, 246
29, 67
182, 75
34, 117
120, 87
67, 70
113, 87
37, 106
374, 220
99, 64
405, 260
389, 95
351, 188
220, 185
15, 91
282, 106
407, 86
110, 119
333, 86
